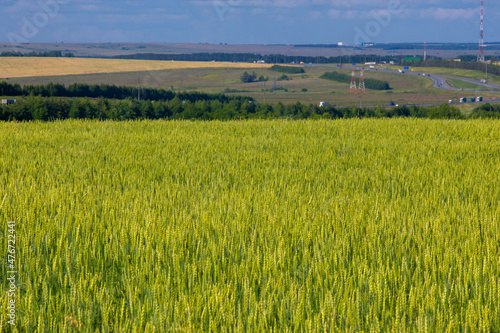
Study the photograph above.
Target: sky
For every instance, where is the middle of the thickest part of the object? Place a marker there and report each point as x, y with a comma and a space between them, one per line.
248, 21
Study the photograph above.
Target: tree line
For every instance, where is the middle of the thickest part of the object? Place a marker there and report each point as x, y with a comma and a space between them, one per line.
270, 58
54, 108
252, 57
108, 91
473, 65
369, 83
286, 59
485, 111
473, 58
54, 54
249, 78
287, 69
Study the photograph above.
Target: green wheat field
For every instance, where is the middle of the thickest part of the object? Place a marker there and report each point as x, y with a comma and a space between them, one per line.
254, 226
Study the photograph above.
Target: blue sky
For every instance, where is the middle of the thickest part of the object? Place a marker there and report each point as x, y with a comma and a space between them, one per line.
247, 21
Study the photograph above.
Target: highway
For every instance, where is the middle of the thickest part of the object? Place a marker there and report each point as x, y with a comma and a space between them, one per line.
439, 82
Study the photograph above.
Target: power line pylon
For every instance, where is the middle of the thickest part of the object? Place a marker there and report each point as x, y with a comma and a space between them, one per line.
480, 55
361, 88
353, 88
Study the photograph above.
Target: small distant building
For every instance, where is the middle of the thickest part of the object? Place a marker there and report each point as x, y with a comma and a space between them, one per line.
341, 44
8, 101
261, 61
322, 104
370, 63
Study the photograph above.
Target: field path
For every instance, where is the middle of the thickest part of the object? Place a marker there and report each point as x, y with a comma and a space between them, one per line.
12, 67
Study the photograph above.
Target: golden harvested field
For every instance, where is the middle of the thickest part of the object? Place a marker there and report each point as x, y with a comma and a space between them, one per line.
12, 67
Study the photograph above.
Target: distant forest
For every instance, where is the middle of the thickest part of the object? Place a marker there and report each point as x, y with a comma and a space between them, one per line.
441, 46
53, 108
50, 102
282, 59
473, 65
251, 57
53, 54
287, 69
411, 46
109, 91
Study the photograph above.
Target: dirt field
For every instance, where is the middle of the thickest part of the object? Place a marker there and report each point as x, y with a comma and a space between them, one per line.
17, 67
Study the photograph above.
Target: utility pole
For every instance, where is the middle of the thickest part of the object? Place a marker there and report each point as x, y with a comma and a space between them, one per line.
139, 89
480, 55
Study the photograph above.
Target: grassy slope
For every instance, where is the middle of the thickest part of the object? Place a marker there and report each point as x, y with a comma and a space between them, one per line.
465, 73
467, 85
406, 89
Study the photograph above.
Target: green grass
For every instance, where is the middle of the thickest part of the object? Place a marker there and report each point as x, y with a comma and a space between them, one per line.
305, 226
466, 109
406, 89
465, 73
467, 85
